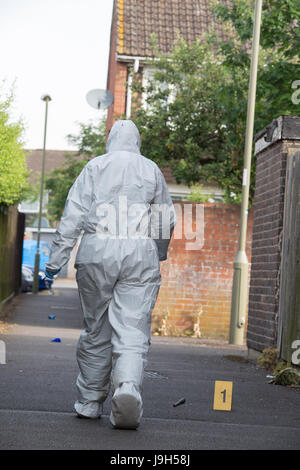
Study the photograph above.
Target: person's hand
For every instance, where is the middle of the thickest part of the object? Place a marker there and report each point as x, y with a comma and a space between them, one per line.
49, 274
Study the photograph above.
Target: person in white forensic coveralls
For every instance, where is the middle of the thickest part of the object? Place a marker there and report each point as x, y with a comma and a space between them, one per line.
121, 203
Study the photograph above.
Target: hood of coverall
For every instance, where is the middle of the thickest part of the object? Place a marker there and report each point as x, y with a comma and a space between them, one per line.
124, 135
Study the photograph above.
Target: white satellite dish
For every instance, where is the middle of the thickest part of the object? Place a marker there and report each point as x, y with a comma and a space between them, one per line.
100, 99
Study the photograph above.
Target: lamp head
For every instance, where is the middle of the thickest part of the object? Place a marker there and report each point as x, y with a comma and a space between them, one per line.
46, 97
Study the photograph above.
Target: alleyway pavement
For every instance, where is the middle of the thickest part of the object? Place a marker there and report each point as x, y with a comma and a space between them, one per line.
37, 390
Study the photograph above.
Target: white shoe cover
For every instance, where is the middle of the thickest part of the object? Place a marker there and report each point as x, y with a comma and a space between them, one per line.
91, 409
127, 407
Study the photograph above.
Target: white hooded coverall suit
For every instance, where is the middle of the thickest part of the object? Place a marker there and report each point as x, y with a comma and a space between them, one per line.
116, 202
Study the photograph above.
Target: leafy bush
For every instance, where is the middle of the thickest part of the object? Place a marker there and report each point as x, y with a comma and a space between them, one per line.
13, 169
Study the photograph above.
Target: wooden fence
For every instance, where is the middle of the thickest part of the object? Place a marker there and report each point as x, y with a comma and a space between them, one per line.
11, 246
289, 292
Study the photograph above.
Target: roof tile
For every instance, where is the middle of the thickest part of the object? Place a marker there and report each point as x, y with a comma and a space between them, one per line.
138, 19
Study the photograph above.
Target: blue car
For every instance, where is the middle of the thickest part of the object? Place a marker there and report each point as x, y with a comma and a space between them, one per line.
29, 250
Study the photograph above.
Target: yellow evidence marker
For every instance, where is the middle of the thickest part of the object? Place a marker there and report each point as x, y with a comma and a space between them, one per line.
223, 395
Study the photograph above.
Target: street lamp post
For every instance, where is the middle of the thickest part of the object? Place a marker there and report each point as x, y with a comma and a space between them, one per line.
240, 277
35, 287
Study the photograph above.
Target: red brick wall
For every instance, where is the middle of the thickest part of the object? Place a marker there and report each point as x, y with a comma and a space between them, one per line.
195, 294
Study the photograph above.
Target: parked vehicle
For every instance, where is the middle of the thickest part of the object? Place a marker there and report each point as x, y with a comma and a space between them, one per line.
29, 250
27, 279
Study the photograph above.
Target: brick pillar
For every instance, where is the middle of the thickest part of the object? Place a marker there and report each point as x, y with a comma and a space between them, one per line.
273, 146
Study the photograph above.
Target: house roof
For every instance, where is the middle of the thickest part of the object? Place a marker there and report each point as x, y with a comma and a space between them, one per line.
138, 19
56, 159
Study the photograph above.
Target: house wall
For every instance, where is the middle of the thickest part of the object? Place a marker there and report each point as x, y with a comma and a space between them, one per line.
195, 295
116, 79
119, 90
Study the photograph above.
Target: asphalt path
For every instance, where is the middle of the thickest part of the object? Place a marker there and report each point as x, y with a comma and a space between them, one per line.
37, 390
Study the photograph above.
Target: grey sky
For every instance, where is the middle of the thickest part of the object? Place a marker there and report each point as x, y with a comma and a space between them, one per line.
58, 47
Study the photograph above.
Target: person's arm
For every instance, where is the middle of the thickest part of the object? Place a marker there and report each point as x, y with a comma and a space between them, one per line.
71, 224
163, 217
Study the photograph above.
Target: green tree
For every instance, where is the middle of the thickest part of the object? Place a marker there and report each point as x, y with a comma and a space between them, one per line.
279, 63
13, 169
195, 115
90, 142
